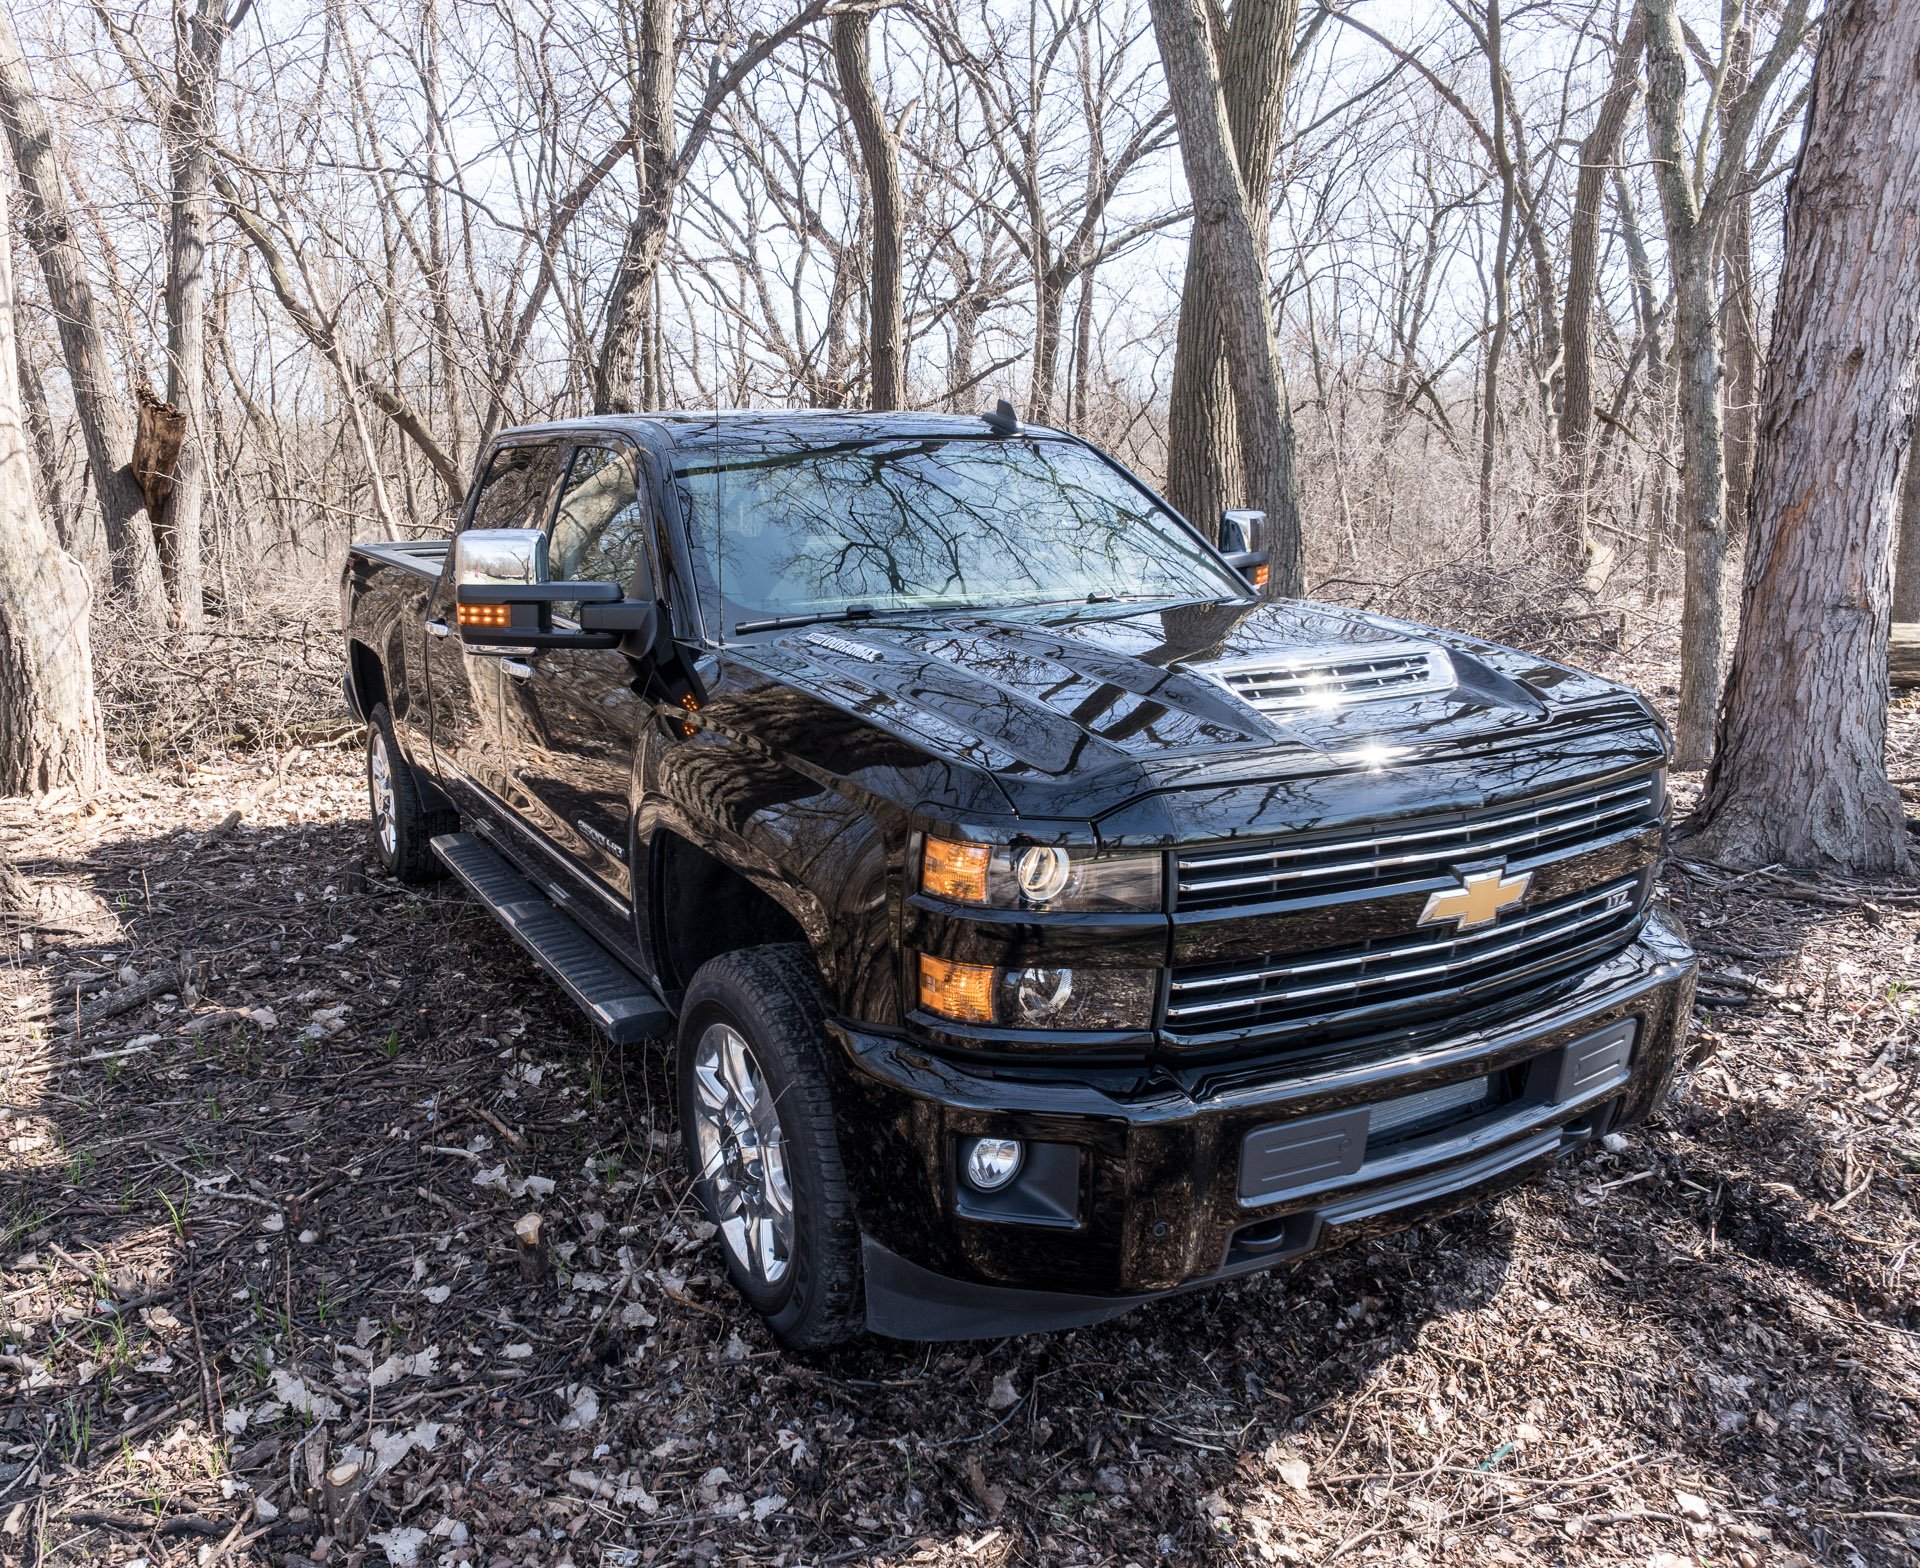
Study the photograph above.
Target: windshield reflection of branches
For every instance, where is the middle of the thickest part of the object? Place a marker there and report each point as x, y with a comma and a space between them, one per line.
944, 521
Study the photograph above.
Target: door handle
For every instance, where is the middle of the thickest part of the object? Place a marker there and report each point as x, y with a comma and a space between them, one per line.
438, 629
519, 669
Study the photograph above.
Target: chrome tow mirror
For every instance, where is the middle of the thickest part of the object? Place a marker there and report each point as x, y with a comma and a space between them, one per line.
1243, 541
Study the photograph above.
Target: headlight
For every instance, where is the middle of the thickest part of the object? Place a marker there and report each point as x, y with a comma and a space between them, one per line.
1038, 876
1037, 996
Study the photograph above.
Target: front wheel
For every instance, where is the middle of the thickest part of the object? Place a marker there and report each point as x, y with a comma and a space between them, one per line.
757, 1126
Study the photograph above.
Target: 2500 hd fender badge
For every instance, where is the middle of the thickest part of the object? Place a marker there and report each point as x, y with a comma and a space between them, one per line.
1479, 900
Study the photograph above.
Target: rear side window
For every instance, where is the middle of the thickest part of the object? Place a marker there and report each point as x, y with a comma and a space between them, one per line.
600, 529
518, 481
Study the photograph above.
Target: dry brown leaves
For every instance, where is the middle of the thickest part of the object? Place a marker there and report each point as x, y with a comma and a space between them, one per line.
263, 1298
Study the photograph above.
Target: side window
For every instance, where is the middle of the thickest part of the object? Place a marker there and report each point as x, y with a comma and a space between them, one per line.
518, 481
600, 530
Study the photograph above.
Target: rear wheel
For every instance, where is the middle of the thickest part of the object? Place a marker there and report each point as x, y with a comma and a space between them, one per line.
402, 826
757, 1126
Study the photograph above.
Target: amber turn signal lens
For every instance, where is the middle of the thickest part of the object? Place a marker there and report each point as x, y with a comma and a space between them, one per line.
962, 991
497, 616
1257, 575
951, 870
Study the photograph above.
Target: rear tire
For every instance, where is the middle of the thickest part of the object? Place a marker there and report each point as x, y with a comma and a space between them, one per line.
757, 1127
402, 826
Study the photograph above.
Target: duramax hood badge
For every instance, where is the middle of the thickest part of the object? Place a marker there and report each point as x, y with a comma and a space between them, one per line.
1479, 900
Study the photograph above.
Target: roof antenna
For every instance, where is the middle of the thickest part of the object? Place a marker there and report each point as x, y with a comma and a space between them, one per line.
1003, 421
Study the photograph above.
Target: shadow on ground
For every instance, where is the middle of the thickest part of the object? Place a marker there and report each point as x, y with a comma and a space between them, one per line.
303, 1208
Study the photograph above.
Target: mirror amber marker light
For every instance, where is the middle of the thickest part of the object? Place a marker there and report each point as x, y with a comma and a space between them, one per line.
952, 870
953, 990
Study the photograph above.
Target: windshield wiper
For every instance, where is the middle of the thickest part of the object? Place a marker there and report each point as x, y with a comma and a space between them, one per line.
850, 612
774, 623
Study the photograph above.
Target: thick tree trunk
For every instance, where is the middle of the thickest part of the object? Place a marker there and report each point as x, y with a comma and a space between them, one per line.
1235, 258
1800, 773
106, 420
1205, 470
1598, 153
880, 162
49, 725
1697, 356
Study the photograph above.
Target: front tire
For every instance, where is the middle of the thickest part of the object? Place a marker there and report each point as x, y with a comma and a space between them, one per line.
402, 828
757, 1127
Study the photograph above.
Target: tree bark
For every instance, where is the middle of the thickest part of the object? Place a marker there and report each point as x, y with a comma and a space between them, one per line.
1799, 777
1598, 153
1233, 255
1205, 466
1697, 351
879, 158
106, 419
49, 723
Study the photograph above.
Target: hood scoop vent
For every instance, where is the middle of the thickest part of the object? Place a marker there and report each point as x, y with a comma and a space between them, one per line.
1336, 678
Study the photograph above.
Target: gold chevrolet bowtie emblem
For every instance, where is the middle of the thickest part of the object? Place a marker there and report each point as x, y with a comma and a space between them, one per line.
1478, 900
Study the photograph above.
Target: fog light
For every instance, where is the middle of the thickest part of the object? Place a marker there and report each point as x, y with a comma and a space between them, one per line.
990, 1163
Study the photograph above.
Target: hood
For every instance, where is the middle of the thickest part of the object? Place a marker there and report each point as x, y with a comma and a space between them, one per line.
1092, 704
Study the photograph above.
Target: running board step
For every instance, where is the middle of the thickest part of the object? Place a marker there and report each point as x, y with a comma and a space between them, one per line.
609, 993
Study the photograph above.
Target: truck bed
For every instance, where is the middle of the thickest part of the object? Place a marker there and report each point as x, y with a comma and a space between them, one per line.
422, 556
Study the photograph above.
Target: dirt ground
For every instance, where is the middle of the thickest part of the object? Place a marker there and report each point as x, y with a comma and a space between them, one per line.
261, 1299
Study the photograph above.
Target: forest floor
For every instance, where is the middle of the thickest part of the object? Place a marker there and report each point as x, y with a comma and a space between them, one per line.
256, 1225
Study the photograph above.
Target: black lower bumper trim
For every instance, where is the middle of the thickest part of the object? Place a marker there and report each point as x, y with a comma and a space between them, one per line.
906, 1301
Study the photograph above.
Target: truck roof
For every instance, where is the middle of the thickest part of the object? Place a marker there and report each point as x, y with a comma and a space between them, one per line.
694, 430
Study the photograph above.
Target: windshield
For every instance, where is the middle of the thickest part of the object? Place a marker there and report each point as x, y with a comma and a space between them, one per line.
785, 528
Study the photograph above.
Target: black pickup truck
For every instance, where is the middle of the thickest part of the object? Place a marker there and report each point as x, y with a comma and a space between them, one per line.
1044, 920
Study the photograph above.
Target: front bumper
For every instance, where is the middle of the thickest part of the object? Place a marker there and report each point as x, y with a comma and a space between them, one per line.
1163, 1184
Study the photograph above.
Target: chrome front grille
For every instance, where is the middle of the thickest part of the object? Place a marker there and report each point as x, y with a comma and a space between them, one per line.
1563, 822
1417, 967
1337, 678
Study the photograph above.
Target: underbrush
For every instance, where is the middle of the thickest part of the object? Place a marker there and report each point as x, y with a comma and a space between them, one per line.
253, 681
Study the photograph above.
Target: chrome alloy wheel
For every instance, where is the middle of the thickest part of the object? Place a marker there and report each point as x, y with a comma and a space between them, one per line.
742, 1154
386, 821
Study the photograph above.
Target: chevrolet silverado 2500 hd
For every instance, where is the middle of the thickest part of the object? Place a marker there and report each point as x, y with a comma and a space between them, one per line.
1043, 920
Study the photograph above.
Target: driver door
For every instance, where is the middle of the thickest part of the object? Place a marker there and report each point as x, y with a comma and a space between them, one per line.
464, 689
571, 721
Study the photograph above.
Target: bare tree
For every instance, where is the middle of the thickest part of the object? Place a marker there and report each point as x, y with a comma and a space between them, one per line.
1598, 152
1696, 202
49, 726
1799, 776
665, 155
1232, 253
1204, 458
106, 419
879, 160
189, 133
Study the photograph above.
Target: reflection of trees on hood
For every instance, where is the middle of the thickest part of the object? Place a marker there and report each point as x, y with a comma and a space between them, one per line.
935, 518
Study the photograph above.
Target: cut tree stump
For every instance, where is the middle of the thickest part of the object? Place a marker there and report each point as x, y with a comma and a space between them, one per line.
1903, 655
